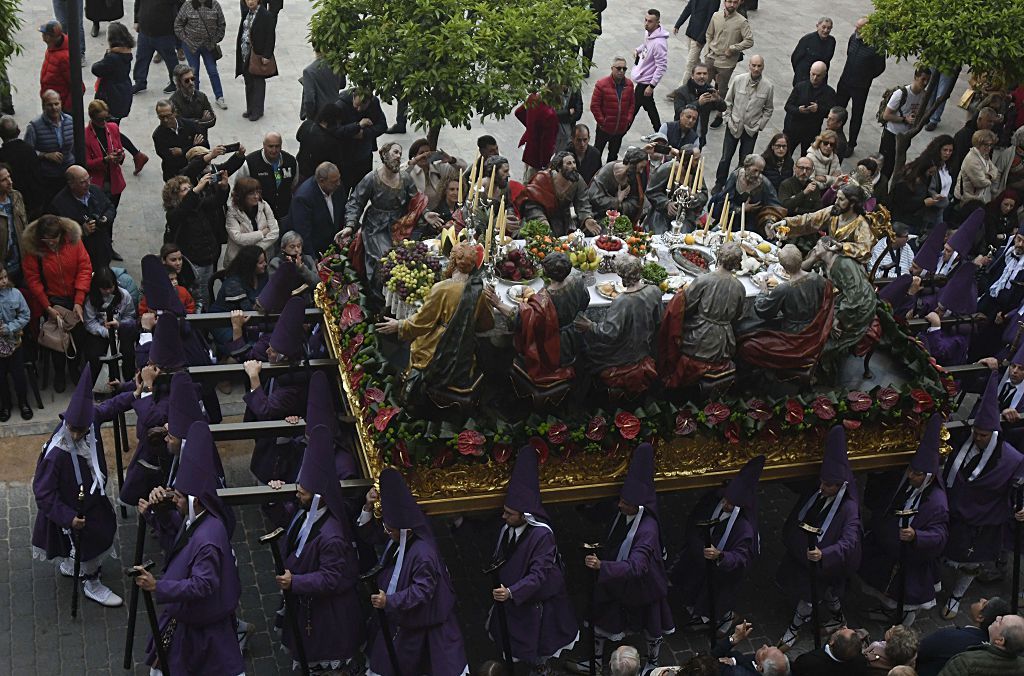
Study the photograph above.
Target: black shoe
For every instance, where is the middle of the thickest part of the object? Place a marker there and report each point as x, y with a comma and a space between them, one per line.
717, 122
95, 29
60, 383
170, 88
931, 126
26, 412
395, 129
5, 414
253, 117
246, 114
115, 256
137, 87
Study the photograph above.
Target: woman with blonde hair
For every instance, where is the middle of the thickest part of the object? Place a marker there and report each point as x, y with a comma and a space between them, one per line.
250, 220
825, 159
978, 173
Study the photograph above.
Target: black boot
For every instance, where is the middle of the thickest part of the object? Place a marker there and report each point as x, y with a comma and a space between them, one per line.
95, 29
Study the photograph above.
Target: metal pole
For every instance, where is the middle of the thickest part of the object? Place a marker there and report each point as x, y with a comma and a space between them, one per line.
289, 599
812, 573
592, 548
76, 539
709, 579
369, 581
133, 600
506, 641
73, 35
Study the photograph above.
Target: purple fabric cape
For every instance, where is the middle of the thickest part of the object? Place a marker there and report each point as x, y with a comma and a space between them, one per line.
840, 548
422, 612
541, 619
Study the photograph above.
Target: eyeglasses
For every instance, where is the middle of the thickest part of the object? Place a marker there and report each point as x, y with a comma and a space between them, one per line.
827, 143
619, 68
780, 145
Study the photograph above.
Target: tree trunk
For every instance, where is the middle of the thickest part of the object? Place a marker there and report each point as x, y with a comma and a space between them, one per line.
433, 133
903, 140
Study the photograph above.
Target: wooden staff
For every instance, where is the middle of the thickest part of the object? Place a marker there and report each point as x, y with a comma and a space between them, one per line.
812, 573
133, 600
707, 526
289, 598
901, 580
76, 539
506, 640
154, 625
369, 581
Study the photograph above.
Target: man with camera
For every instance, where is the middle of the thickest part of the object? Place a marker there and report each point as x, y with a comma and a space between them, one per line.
87, 205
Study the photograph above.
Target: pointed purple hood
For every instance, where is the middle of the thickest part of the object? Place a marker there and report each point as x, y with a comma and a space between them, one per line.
960, 294
742, 490
398, 506
1018, 358
895, 292
167, 351
79, 412
926, 459
317, 474
638, 489
184, 407
987, 417
835, 465
523, 493
967, 234
198, 472
320, 404
279, 288
928, 255
156, 285
289, 334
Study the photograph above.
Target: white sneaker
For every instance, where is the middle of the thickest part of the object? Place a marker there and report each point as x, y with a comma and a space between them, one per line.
221, 103
67, 568
101, 594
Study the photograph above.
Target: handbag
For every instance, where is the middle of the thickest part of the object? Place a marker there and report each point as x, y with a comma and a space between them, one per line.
260, 69
55, 332
216, 51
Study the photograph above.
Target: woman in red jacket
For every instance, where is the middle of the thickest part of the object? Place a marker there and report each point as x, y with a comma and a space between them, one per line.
57, 272
541, 122
104, 152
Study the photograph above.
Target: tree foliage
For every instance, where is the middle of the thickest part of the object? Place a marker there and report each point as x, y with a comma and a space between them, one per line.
10, 24
984, 35
452, 60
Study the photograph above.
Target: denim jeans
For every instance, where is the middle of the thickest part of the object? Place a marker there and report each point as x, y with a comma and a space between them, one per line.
203, 274
729, 144
211, 68
164, 44
946, 83
60, 13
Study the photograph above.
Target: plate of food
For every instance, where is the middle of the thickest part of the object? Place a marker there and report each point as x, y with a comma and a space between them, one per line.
778, 271
520, 293
610, 290
691, 260
608, 243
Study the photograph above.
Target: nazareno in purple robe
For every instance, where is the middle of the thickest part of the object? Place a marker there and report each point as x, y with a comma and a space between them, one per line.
421, 614
840, 549
978, 509
145, 471
690, 572
882, 547
199, 591
279, 397
948, 348
55, 487
632, 594
324, 581
541, 620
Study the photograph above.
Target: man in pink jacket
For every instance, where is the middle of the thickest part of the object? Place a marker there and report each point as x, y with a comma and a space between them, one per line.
651, 64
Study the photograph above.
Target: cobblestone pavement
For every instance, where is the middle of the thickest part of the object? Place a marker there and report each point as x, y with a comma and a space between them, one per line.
37, 635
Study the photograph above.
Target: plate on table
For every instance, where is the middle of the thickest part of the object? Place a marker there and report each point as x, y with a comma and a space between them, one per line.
779, 272
689, 259
609, 290
520, 293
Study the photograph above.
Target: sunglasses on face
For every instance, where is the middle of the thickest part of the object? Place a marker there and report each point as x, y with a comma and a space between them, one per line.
827, 143
618, 68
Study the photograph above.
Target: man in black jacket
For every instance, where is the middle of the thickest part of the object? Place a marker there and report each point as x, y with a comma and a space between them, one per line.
766, 661
275, 170
699, 12
360, 123
942, 645
699, 91
841, 656
87, 205
807, 107
154, 22
863, 65
173, 138
588, 158
189, 103
816, 46
24, 164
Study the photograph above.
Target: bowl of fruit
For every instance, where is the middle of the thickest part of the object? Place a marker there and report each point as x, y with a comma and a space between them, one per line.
409, 270
608, 243
692, 260
638, 242
516, 266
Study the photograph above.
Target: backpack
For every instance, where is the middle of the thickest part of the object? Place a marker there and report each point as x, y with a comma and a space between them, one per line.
886, 96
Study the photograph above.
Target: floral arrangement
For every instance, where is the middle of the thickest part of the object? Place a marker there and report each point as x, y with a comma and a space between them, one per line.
412, 442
